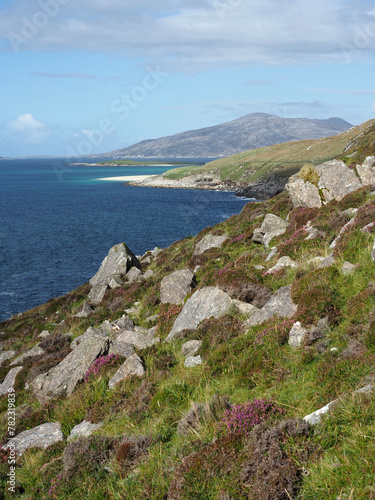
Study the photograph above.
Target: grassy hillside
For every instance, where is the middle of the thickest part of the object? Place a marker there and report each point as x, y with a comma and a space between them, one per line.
282, 159
138, 453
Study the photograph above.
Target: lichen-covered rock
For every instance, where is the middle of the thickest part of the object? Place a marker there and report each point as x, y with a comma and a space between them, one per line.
85, 311
135, 339
336, 180
176, 286
207, 302
296, 335
9, 380
316, 416
284, 261
4, 356
133, 275
117, 263
366, 171
209, 241
96, 294
303, 194
84, 429
62, 379
280, 304
191, 347
133, 367
192, 361
40, 437
348, 268
272, 226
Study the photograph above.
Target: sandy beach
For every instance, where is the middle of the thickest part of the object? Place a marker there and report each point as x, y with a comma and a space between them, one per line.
126, 178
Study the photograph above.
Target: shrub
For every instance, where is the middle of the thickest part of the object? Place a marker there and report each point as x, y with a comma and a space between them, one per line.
98, 365
243, 417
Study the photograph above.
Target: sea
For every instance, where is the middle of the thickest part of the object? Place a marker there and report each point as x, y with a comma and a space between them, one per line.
58, 222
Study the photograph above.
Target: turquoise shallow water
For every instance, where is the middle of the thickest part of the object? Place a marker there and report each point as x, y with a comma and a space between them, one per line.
58, 222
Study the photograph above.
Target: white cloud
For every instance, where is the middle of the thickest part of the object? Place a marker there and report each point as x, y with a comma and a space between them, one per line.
196, 34
33, 131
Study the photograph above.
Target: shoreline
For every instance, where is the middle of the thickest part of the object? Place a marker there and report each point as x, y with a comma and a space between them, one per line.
126, 178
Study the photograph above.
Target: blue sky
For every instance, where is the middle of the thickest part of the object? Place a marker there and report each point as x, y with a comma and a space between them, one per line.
97, 75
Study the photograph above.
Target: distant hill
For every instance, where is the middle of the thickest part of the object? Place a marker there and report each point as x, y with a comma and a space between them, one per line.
255, 130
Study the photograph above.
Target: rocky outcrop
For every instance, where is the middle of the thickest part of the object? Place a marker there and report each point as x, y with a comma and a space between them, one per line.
265, 189
96, 294
191, 347
85, 311
280, 305
34, 352
9, 380
40, 437
133, 367
296, 335
84, 429
4, 356
335, 180
176, 286
136, 339
209, 241
284, 261
62, 379
272, 226
117, 263
207, 302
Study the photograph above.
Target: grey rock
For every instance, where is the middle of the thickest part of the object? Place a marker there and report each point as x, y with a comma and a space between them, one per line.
365, 390
316, 260
258, 235
303, 194
351, 212
284, 261
121, 349
117, 263
135, 339
10, 380
133, 366
207, 302
176, 286
348, 268
272, 226
40, 437
336, 180
191, 347
244, 308
280, 304
62, 379
133, 275
151, 319
368, 227
155, 252
115, 282
327, 262
148, 274
4, 356
123, 323
85, 311
192, 361
259, 268
366, 171
97, 293
271, 255
84, 429
316, 416
209, 241
296, 335
90, 333
32, 353
44, 334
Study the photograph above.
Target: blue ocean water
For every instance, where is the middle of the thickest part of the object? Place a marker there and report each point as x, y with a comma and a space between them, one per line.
58, 222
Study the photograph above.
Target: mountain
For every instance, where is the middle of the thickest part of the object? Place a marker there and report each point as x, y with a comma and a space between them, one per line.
248, 132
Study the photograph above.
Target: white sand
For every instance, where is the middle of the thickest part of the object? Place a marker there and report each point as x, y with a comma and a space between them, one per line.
126, 178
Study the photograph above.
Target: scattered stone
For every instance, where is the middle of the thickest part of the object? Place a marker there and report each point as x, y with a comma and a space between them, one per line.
313, 232
133, 275
133, 366
259, 268
191, 347
271, 255
244, 308
115, 282
316, 416
151, 319
206, 302
90, 333
155, 252
40, 437
327, 262
368, 228
85, 311
348, 268
272, 226
84, 429
303, 194
296, 335
284, 261
44, 334
9, 380
192, 361
62, 379
4, 356
176, 286
97, 293
209, 241
148, 274
365, 390
366, 171
316, 260
280, 305
117, 263
135, 339
351, 212
124, 323
32, 353
121, 349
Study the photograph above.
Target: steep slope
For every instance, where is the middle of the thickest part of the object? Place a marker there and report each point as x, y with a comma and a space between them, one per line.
251, 131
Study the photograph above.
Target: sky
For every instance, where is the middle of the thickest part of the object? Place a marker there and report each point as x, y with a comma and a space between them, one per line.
92, 76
